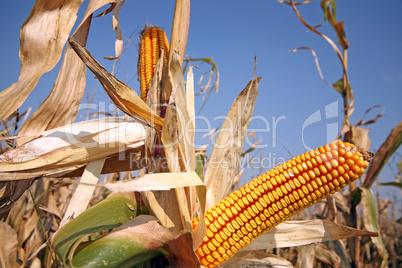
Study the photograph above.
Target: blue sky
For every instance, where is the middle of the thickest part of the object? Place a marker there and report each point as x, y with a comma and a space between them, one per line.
232, 33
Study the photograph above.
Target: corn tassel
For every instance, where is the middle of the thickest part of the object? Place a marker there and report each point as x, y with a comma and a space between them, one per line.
275, 196
153, 41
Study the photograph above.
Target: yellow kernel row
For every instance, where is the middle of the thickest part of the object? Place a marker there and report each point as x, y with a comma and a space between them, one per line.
275, 196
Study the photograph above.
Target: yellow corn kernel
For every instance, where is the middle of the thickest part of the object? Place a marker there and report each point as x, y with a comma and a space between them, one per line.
153, 41
275, 196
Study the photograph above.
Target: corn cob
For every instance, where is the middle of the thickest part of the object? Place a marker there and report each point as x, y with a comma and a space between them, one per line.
275, 196
153, 41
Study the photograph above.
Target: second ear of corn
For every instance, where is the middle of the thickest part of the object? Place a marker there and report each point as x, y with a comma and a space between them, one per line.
153, 41
275, 196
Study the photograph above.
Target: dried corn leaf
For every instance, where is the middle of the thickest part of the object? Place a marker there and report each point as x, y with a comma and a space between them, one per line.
390, 145
122, 95
340, 249
62, 105
306, 258
170, 138
179, 153
225, 157
42, 39
29, 225
304, 232
116, 26
164, 206
214, 70
180, 26
201, 229
191, 134
9, 246
185, 126
370, 222
359, 137
65, 149
341, 202
177, 134
246, 259
51, 206
190, 99
152, 137
9, 193
83, 193
327, 256
317, 64
118, 46
127, 160
329, 40
373, 120
156, 182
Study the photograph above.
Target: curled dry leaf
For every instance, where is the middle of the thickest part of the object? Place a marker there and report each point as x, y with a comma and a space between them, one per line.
304, 232
177, 144
51, 206
225, 157
359, 137
180, 26
63, 103
9, 246
306, 258
179, 131
83, 193
152, 137
209, 84
340, 249
370, 221
190, 97
65, 149
390, 145
122, 95
317, 64
9, 193
327, 256
166, 205
191, 134
170, 138
329, 40
246, 259
43, 37
338, 26
371, 121
118, 47
341, 203
116, 26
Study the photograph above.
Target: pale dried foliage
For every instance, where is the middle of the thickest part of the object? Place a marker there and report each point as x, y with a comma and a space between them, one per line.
174, 185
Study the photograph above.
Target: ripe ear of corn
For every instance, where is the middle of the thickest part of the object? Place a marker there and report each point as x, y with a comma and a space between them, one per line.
153, 41
275, 196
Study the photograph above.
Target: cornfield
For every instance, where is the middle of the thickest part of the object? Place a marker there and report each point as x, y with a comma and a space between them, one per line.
129, 188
